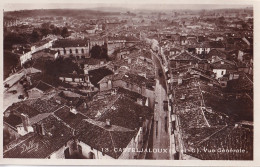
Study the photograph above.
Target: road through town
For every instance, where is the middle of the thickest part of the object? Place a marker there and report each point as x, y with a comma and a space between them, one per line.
161, 139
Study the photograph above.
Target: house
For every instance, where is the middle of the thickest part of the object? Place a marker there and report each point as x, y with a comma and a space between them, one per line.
40, 89
25, 57
203, 109
46, 53
240, 82
245, 55
114, 43
41, 45
20, 117
131, 82
76, 80
50, 139
66, 132
114, 125
184, 58
183, 40
35, 48
222, 67
174, 51
78, 48
146, 56
118, 42
205, 47
216, 55
103, 140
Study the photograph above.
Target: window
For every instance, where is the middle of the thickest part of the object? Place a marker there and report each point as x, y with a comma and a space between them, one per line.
222, 72
70, 51
58, 51
77, 51
64, 51
82, 50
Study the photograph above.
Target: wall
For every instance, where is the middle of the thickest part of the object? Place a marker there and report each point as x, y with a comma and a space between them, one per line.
219, 72
151, 97
200, 50
59, 154
119, 83
25, 57
86, 149
73, 50
22, 131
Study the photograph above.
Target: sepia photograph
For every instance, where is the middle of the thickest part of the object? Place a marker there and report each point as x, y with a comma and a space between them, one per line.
133, 82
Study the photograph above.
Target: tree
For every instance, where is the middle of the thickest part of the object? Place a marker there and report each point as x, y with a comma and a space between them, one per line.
45, 31
35, 36
98, 52
65, 32
46, 25
56, 31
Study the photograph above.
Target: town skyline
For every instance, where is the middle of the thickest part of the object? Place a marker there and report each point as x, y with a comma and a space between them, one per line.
120, 7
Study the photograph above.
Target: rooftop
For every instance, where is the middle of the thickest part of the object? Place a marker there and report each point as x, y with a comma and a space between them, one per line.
42, 146
63, 43
98, 136
70, 118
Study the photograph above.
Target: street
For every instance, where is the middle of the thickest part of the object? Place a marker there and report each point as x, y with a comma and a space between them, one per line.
160, 130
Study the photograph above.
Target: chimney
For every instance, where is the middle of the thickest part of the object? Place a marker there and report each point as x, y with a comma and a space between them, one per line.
129, 60
73, 110
42, 129
179, 81
25, 121
182, 97
108, 123
85, 105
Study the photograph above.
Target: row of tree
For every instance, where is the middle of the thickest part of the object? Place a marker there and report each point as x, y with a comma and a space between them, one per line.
12, 38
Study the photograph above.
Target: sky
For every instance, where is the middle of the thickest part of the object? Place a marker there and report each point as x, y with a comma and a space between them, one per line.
133, 4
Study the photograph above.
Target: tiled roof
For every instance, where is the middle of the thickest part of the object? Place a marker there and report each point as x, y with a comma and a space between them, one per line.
97, 135
244, 82
99, 105
34, 108
208, 44
216, 52
38, 146
13, 120
146, 54
227, 138
186, 56
43, 86
25, 109
125, 112
44, 105
203, 128
130, 94
223, 64
68, 117
63, 43
37, 118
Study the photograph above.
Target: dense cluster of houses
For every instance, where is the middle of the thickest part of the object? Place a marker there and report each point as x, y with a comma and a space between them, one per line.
210, 88
208, 71
107, 122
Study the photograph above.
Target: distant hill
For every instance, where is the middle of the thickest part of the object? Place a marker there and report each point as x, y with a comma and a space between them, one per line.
58, 12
